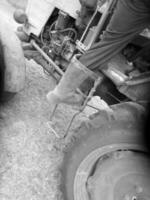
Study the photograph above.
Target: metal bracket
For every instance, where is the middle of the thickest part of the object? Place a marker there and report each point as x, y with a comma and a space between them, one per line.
49, 60
88, 98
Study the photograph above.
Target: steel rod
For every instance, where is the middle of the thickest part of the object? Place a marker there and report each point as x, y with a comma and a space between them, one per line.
46, 57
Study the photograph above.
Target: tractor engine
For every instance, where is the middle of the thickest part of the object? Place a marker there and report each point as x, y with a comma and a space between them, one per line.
61, 32
58, 38
60, 28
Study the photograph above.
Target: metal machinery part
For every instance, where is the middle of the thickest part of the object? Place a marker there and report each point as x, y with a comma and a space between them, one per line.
92, 31
118, 171
58, 39
61, 39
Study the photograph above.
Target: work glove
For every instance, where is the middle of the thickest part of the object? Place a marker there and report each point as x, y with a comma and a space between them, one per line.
29, 52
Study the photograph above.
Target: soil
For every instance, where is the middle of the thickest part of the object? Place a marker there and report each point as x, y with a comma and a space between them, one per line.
28, 157
31, 146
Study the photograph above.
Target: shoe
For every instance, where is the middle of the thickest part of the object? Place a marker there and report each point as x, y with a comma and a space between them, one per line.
65, 91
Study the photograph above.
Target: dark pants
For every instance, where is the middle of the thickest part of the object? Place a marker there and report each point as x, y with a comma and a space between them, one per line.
129, 19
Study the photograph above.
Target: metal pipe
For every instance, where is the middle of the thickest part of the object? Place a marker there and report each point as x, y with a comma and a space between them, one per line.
117, 77
137, 82
46, 57
52, 63
88, 26
99, 27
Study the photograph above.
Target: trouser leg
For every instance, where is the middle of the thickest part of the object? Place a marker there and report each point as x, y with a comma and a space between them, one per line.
64, 92
129, 19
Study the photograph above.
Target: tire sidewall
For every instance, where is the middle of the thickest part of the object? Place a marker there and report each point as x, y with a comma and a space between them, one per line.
114, 133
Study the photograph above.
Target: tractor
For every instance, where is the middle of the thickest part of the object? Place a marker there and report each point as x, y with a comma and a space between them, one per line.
107, 157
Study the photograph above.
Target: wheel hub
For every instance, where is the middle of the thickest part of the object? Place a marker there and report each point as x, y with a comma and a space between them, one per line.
115, 175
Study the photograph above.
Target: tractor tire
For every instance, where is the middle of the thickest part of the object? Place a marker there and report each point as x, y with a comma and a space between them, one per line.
122, 127
12, 63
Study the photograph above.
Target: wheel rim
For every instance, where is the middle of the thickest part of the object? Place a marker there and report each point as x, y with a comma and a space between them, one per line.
113, 172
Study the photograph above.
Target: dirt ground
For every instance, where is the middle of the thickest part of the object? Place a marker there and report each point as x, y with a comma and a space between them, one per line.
28, 157
31, 147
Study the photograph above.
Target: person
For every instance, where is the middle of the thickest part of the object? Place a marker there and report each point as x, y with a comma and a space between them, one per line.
130, 17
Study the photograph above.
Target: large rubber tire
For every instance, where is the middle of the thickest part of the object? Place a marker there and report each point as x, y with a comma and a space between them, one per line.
123, 126
12, 62
5, 96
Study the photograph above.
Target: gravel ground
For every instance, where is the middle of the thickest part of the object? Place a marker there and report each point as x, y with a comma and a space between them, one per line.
28, 157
